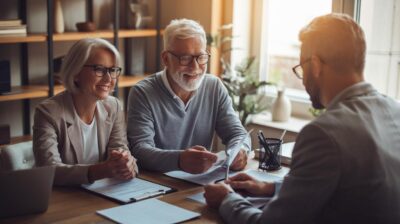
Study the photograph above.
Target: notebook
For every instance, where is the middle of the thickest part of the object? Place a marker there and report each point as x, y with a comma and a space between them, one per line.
25, 191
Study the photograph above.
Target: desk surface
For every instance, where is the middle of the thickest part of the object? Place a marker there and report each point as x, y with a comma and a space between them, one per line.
75, 205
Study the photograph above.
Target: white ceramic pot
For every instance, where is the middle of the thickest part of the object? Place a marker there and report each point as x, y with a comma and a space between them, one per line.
58, 17
281, 108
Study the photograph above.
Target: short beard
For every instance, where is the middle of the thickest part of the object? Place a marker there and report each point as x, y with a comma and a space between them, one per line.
314, 95
189, 87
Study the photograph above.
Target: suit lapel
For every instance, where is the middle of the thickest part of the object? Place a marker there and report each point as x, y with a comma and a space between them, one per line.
104, 125
73, 129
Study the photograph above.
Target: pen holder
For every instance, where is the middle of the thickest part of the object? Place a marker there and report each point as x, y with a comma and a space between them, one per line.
270, 154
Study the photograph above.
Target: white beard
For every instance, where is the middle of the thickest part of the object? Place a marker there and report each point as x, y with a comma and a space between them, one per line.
188, 86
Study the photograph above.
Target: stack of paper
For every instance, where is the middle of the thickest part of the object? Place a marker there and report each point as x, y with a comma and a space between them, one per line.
12, 27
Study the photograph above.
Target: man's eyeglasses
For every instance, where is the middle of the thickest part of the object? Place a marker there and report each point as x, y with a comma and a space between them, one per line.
101, 71
298, 70
185, 60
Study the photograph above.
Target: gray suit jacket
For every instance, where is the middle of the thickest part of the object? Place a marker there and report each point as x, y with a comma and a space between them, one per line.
57, 136
345, 167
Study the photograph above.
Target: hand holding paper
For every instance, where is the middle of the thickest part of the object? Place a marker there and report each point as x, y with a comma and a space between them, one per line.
196, 160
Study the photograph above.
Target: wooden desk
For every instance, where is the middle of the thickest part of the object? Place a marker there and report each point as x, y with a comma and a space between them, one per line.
75, 205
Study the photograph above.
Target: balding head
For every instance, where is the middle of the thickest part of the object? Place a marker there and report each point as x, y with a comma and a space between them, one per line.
338, 40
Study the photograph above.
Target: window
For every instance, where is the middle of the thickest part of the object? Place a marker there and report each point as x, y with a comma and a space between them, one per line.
380, 21
280, 47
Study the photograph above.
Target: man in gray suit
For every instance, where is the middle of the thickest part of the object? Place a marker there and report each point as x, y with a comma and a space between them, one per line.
346, 163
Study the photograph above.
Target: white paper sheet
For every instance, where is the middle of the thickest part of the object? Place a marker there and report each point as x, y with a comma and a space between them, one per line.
255, 201
148, 211
127, 191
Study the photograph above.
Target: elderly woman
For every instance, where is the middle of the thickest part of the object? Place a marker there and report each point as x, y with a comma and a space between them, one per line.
82, 130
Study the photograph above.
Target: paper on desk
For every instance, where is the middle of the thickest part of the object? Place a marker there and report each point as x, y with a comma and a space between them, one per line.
126, 191
217, 171
148, 211
255, 201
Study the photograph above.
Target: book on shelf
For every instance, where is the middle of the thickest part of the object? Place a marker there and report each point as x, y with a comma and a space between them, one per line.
10, 22
14, 30
13, 27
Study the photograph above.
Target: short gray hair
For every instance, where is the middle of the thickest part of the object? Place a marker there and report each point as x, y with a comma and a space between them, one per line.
337, 39
78, 55
183, 29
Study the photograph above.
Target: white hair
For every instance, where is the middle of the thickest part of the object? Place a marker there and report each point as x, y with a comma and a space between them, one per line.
78, 55
183, 29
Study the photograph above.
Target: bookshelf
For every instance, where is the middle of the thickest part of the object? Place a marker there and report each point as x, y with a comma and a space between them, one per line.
26, 92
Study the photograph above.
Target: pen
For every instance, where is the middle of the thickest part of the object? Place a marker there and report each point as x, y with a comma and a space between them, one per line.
227, 169
283, 134
148, 195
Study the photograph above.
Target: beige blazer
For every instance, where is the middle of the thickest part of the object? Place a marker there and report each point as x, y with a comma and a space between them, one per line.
57, 136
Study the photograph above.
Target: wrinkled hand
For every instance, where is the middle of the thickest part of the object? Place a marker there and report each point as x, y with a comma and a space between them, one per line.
121, 164
240, 161
215, 194
196, 159
248, 184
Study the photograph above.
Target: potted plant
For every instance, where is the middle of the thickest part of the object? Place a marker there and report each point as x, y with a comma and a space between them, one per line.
242, 80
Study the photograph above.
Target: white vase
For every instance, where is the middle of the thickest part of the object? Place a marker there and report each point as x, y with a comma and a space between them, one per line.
281, 107
58, 17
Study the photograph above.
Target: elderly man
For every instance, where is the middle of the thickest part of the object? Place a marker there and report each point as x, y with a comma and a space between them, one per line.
172, 115
346, 163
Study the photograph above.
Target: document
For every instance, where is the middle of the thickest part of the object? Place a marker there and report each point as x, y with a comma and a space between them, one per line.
149, 212
258, 202
287, 149
215, 173
219, 169
127, 191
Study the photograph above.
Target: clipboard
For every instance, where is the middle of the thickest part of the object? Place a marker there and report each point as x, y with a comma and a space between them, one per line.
129, 191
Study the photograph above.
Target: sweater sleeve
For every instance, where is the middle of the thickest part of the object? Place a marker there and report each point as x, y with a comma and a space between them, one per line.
141, 136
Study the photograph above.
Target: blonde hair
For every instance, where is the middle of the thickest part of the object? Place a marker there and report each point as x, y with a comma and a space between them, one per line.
78, 55
183, 29
337, 39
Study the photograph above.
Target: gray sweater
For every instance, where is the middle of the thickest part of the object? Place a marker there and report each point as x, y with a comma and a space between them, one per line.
160, 126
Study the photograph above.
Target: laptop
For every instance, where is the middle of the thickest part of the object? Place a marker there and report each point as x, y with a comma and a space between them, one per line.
25, 191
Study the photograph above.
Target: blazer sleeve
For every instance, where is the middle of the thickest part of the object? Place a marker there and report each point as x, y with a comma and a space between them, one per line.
313, 178
46, 139
117, 137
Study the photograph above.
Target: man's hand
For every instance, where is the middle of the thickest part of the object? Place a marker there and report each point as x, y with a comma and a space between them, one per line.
215, 193
196, 159
240, 161
248, 184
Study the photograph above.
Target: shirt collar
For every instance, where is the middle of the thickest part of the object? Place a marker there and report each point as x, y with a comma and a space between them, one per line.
358, 89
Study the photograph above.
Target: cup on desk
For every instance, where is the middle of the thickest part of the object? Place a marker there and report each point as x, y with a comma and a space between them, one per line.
270, 154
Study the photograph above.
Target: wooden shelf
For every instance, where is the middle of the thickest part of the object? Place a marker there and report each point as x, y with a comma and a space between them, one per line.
25, 92
38, 91
127, 80
68, 36
23, 39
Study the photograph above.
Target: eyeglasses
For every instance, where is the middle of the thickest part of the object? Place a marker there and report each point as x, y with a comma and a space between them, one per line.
185, 60
298, 70
101, 71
